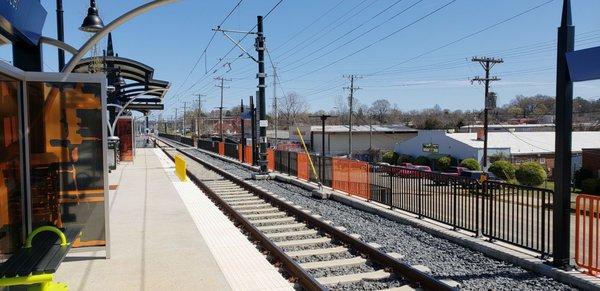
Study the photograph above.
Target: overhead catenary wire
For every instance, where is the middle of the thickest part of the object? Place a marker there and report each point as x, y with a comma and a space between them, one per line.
204, 76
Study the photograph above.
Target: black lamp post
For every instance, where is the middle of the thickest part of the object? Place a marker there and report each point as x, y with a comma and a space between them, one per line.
92, 22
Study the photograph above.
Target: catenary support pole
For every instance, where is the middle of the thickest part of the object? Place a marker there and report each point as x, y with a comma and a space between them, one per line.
243, 137
253, 128
262, 112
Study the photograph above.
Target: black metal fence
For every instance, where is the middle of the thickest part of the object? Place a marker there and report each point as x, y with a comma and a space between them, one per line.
286, 162
231, 150
515, 214
182, 139
324, 171
208, 145
519, 215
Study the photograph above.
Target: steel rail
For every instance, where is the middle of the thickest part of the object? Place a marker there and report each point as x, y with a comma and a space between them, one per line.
305, 279
399, 268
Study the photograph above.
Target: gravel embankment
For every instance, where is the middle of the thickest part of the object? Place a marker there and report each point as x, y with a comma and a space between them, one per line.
471, 269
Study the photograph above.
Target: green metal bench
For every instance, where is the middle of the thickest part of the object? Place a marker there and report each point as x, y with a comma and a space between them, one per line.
34, 265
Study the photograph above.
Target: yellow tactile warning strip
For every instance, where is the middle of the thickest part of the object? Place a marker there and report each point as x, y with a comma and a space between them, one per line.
244, 267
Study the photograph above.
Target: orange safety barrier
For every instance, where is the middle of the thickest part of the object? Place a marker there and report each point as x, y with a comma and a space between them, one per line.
271, 159
302, 166
248, 155
352, 177
587, 233
221, 148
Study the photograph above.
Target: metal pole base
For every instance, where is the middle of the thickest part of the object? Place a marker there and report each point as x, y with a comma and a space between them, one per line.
261, 176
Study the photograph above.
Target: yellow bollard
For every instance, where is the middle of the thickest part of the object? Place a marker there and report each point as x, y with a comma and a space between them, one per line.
180, 168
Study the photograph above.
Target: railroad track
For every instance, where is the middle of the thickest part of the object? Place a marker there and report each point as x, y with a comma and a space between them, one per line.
316, 254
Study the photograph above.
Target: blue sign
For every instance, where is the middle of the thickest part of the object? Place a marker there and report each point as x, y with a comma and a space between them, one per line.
246, 115
22, 19
584, 65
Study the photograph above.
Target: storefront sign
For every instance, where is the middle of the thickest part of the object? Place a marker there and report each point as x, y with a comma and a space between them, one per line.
431, 148
22, 19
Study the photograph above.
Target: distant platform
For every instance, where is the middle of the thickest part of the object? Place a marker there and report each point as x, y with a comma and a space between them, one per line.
167, 235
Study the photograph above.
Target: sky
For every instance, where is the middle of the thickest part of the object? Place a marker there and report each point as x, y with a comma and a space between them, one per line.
414, 53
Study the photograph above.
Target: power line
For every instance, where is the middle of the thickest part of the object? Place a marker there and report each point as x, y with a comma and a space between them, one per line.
356, 37
207, 46
435, 11
467, 36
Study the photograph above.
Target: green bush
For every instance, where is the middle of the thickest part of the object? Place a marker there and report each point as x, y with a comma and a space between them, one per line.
503, 170
388, 157
581, 175
423, 161
444, 163
498, 157
471, 164
531, 174
590, 186
405, 159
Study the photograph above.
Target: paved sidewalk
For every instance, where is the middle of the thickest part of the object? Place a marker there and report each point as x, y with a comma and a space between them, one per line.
155, 242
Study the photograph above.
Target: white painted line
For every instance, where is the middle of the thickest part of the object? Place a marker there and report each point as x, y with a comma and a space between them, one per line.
244, 267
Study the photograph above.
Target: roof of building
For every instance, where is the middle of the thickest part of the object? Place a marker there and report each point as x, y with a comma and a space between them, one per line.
392, 128
509, 125
521, 143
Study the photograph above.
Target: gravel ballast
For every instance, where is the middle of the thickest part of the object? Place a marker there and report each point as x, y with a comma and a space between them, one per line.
473, 270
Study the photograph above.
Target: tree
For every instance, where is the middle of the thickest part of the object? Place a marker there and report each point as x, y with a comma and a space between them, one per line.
531, 174
471, 164
380, 110
292, 105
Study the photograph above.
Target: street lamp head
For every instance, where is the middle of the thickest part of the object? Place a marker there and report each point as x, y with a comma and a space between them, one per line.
92, 22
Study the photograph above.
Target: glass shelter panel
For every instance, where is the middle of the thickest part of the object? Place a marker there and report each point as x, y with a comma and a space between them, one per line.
66, 157
11, 199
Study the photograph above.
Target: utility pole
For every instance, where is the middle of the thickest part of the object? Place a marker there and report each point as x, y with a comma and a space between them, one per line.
487, 64
221, 107
262, 112
199, 113
351, 104
564, 129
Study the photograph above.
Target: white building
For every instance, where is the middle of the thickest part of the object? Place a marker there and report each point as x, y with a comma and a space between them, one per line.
519, 146
508, 127
382, 137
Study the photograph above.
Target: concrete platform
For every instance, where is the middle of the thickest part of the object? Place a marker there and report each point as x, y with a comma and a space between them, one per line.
167, 235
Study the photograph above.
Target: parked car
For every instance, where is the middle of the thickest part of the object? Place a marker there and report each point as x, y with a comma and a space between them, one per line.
455, 171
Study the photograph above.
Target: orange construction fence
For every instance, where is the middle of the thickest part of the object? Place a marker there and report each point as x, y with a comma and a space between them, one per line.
302, 166
271, 159
221, 148
587, 233
248, 155
351, 177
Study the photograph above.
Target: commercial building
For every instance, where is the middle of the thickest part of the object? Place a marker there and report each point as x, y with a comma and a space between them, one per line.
518, 146
509, 127
364, 137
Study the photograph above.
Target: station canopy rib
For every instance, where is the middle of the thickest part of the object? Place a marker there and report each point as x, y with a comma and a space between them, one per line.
139, 78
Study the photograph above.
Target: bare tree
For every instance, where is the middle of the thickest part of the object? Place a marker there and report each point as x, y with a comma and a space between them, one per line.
291, 106
380, 109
